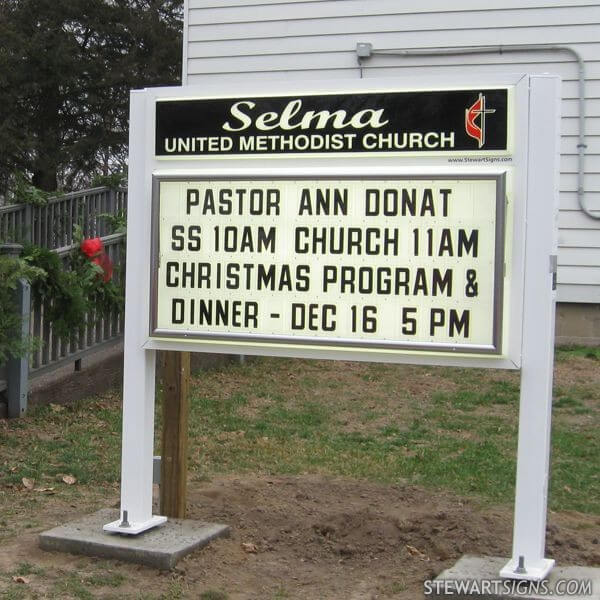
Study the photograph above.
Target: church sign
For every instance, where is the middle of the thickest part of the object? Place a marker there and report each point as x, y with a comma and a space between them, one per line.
448, 121
356, 220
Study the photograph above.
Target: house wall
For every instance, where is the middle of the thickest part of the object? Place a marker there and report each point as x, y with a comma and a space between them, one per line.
253, 40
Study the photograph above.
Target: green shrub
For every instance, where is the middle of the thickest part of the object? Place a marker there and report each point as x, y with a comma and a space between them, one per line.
12, 269
27, 193
113, 181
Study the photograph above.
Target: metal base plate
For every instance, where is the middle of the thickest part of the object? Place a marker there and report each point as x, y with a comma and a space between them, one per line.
134, 528
535, 571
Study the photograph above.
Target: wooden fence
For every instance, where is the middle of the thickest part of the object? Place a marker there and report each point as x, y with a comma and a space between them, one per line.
52, 226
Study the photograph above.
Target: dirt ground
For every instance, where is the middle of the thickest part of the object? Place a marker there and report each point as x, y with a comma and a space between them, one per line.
312, 537
334, 538
306, 537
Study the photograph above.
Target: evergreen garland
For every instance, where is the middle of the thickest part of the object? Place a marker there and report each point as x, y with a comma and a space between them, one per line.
72, 291
11, 343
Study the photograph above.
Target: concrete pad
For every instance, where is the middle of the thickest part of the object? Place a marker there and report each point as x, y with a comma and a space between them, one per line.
475, 577
160, 547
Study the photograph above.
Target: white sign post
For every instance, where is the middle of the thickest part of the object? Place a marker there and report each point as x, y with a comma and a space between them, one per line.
328, 224
537, 359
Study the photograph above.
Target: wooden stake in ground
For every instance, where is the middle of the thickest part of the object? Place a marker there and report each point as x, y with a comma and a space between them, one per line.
173, 464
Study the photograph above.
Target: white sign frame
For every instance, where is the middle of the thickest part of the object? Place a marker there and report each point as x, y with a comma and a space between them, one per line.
509, 358
528, 332
263, 341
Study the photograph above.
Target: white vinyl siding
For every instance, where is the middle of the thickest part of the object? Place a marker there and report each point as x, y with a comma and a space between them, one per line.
316, 39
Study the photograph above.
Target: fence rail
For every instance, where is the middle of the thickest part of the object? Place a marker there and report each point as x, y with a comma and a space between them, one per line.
52, 226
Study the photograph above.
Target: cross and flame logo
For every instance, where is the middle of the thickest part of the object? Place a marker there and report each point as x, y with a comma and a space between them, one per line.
477, 111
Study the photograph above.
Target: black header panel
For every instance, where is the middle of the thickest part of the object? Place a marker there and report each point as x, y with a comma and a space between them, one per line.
379, 122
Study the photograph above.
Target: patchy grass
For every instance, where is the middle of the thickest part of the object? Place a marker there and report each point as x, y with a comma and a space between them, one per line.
444, 428
16, 592
105, 579
72, 586
567, 352
80, 440
452, 429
